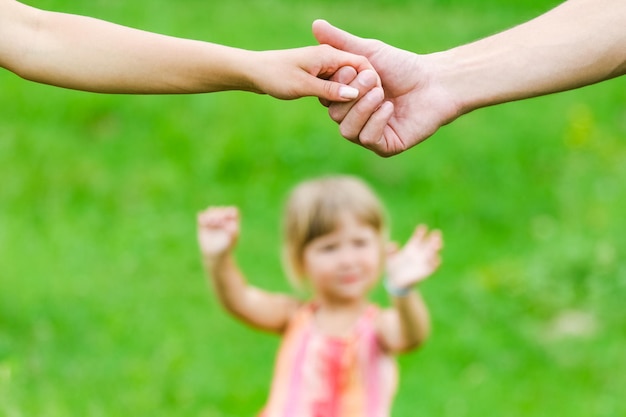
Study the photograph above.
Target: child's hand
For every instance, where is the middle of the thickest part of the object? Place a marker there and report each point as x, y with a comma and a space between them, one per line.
418, 259
307, 71
218, 230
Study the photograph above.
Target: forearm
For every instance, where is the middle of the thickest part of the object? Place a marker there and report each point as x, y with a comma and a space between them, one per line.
414, 320
227, 281
253, 306
89, 54
578, 43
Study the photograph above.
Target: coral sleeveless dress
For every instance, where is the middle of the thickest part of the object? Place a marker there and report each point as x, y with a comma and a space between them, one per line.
317, 375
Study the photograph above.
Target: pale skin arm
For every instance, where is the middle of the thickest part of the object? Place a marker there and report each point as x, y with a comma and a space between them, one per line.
218, 231
88, 54
578, 43
406, 325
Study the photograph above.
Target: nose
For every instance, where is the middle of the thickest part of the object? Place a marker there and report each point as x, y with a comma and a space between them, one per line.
347, 256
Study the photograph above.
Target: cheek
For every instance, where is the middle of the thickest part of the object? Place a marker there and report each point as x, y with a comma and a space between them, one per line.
373, 258
314, 266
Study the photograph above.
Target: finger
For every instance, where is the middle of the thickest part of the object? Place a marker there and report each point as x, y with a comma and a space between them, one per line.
338, 92
436, 239
417, 239
365, 81
351, 125
432, 245
231, 212
344, 75
330, 59
332, 91
421, 231
392, 248
326, 33
215, 217
372, 135
436, 263
204, 217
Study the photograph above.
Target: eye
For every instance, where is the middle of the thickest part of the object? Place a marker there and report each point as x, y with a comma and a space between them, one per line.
328, 247
361, 242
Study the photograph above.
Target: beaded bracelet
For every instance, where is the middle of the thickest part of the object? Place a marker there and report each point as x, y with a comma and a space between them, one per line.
395, 291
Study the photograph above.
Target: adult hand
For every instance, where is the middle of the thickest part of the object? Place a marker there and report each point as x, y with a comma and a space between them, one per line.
412, 106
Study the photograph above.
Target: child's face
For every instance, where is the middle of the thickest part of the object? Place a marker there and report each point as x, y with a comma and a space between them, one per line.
344, 264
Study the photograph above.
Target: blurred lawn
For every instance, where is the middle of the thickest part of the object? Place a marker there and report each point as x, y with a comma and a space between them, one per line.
104, 310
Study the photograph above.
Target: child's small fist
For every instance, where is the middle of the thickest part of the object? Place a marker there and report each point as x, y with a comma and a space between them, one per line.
218, 230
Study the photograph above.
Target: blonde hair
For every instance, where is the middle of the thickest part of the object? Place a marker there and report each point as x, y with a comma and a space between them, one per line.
314, 208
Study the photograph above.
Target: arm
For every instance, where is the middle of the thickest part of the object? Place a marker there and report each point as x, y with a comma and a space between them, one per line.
89, 54
218, 230
578, 43
406, 325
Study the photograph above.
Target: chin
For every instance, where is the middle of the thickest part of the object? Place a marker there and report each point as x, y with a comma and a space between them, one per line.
354, 295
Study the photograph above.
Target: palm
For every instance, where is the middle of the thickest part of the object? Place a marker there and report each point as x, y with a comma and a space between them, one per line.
214, 241
420, 108
418, 259
400, 89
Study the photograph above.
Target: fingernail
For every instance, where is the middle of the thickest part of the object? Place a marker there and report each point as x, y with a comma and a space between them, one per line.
367, 78
376, 94
348, 92
386, 106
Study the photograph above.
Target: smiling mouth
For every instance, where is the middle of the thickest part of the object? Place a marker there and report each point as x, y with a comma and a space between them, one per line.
349, 279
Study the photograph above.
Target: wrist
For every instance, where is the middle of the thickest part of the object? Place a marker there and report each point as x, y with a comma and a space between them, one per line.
487, 72
213, 259
395, 290
230, 69
249, 70
454, 74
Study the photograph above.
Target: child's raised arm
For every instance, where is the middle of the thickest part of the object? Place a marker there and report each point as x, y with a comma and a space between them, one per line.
407, 324
218, 231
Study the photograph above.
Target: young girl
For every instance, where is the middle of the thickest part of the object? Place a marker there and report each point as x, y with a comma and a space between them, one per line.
336, 357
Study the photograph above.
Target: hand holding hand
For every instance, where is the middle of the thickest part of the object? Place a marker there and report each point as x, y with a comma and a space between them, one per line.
218, 230
294, 73
417, 260
413, 105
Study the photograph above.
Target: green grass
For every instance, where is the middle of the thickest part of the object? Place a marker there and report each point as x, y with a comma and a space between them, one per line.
104, 310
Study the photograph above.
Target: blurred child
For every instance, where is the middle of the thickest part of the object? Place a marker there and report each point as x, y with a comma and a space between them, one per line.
336, 357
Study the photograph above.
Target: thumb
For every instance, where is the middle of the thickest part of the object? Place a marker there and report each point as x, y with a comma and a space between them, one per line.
392, 248
325, 33
331, 90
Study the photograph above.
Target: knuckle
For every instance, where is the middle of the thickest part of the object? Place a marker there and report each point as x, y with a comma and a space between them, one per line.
336, 112
329, 89
325, 48
348, 133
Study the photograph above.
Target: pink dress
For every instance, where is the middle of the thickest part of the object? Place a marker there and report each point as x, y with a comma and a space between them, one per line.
317, 375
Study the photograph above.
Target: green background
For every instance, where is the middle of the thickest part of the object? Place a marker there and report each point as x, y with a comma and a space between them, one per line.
104, 308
